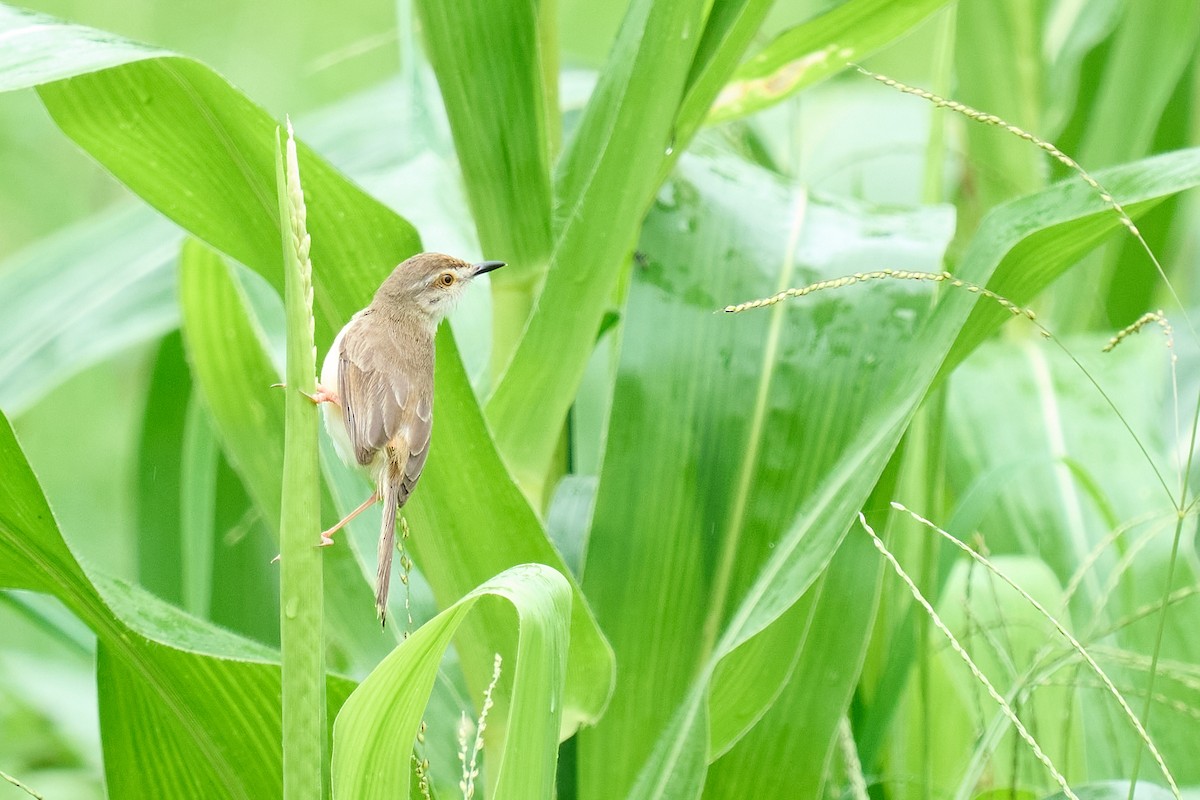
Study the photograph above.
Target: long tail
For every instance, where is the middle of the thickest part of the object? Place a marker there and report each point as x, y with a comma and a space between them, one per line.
387, 539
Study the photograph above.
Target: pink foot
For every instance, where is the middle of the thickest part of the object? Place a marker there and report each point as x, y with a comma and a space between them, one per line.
323, 395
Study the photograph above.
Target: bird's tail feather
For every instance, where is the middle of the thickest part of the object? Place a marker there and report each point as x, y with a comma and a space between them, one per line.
387, 542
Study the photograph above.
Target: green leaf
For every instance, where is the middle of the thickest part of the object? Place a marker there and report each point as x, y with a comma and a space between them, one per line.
770, 760
608, 172
713, 487
727, 33
826, 386
503, 113
814, 50
38, 49
1022, 403
196, 515
160, 474
1131, 80
38, 558
233, 374
209, 703
201, 543
497, 70
199, 151
1001, 246
391, 700
1043, 235
205, 698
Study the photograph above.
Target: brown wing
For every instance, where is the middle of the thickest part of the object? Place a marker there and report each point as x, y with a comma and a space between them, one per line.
420, 431
385, 386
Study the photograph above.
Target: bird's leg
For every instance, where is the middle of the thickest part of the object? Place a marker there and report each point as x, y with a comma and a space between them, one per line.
324, 395
321, 395
327, 535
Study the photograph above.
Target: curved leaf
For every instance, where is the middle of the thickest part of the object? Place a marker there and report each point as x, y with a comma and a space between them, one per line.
377, 727
35, 49
203, 696
1041, 236
815, 50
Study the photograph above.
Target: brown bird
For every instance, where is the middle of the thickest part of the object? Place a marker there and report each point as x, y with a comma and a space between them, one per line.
377, 380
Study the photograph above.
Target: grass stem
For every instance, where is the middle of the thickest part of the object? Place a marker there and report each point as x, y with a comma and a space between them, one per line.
301, 595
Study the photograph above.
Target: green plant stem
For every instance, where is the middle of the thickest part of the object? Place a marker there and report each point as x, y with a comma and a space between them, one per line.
305, 755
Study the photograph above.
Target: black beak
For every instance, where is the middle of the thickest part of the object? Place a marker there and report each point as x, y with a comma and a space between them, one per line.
487, 266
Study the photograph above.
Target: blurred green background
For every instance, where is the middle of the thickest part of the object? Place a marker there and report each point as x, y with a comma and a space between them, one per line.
1108, 81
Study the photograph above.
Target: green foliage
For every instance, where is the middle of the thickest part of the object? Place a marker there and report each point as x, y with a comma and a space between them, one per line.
645, 507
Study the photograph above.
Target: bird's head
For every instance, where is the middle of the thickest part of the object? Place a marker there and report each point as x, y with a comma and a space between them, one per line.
429, 284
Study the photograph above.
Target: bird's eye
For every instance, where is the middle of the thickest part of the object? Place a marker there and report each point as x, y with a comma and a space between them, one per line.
446, 279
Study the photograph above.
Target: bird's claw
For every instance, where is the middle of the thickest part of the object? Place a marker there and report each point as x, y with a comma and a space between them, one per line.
321, 395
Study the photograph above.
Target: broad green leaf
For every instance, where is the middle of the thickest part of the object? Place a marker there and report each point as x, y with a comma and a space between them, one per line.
847, 437
505, 145
202, 544
609, 171
198, 473
200, 152
496, 65
38, 558
194, 148
375, 732
701, 481
817, 49
999, 248
36, 49
208, 702
233, 373
1048, 232
203, 696
771, 760
459, 533
728, 31
1071, 34
1110, 135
